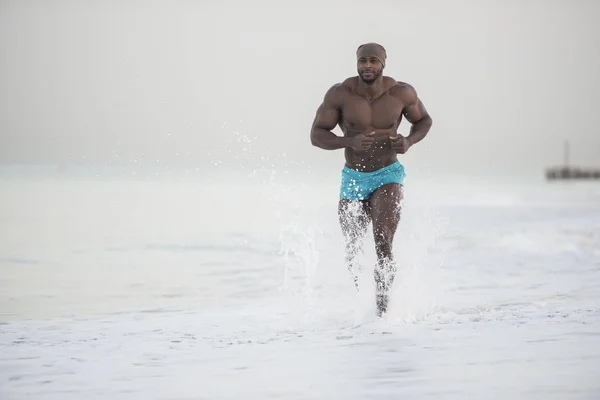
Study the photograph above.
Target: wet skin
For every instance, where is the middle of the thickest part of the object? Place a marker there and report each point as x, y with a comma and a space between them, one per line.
369, 109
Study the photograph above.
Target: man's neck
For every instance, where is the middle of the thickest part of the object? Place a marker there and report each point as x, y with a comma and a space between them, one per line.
370, 90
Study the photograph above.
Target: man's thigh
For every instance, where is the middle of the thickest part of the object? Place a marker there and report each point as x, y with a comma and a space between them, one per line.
354, 215
386, 206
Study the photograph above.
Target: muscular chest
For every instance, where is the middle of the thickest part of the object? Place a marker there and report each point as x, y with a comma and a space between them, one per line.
383, 113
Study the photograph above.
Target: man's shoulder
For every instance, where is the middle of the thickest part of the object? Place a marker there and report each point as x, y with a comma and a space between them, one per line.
402, 89
338, 91
346, 86
398, 86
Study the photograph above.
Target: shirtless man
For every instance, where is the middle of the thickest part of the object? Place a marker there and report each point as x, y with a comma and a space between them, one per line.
369, 108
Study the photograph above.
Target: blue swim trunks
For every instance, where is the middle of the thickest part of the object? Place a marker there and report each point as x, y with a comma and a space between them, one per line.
358, 185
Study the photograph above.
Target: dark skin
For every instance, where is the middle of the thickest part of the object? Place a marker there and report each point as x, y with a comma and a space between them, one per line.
369, 108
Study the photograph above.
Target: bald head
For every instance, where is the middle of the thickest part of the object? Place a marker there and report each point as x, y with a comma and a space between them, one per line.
374, 50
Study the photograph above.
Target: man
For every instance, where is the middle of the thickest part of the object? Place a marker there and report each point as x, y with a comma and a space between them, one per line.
369, 108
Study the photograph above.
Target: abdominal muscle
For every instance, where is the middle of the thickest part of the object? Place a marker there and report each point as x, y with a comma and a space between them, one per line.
378, 156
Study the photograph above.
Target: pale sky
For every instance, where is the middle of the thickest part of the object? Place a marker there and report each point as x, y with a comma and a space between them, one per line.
506, 82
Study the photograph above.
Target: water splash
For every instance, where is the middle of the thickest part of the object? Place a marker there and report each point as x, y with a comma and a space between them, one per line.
300, 253
306, 240
418, 288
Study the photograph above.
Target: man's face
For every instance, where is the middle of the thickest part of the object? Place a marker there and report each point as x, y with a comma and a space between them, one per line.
369, 69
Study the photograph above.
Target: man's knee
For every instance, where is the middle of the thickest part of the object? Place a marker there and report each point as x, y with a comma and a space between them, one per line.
384, 234
383, 242
353, 245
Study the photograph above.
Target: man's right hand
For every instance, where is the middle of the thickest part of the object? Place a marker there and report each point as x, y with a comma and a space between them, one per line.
362, 141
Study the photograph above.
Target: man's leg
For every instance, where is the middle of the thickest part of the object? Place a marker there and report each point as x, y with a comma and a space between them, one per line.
354, 217
385, 211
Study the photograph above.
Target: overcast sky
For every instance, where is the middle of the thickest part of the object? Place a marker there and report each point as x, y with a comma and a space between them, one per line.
506, 82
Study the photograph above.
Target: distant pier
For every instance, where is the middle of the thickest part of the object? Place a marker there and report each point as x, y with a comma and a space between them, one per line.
568, 172
572, 173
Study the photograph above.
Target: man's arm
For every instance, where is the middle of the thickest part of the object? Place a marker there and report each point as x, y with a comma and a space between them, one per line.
417, 115
328, 116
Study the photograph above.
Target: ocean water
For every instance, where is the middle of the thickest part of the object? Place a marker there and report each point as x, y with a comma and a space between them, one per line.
231, 285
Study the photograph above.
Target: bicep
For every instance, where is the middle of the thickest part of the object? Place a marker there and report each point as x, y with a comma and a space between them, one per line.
327, 117
328, 113
414, 110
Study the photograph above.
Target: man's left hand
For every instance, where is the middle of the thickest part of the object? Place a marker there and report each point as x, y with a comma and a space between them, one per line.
400, 144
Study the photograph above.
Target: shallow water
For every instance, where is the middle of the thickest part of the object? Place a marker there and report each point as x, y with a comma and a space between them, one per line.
174, 288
